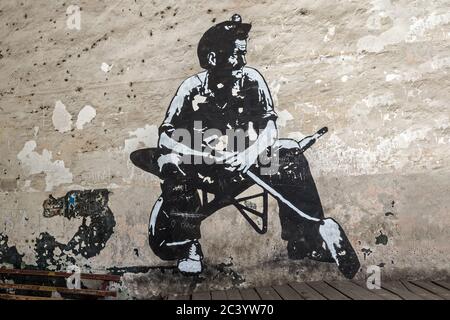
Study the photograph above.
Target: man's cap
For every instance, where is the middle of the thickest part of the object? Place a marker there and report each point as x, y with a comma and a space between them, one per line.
221, 37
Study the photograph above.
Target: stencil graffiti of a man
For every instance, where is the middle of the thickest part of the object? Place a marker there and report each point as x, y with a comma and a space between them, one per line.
231, 98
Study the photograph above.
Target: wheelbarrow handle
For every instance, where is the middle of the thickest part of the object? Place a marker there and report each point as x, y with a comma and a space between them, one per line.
279, 196
304, 144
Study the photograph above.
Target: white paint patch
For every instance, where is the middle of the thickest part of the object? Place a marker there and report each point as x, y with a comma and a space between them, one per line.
106, 67
362, 111
170, 158
420, 26
190, 266
330, 34
275, 87
252, 135
85, 116
315, 111
296, 135
318, 81
154, 215
389, 153
55, 171
147, 136
344, 78
331, 234
197, 99
177, 243
388, 147
283, 117
402, 30
382, 100
61, 118
392, 76
437, 63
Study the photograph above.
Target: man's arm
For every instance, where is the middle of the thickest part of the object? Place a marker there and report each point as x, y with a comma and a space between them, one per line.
173, 113
244, 160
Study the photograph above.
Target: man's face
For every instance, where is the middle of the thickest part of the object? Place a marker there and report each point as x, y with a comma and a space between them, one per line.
234, 59
237, 58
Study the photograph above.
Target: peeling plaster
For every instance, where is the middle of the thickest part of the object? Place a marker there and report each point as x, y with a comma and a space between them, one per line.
146, 136
388, 154
402, 29
85, 116
421, 25
105, 67
283, 117
62, 119
55, 171
330, 34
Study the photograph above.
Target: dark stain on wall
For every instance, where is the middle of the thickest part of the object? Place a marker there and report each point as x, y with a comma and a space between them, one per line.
9, 254
95, 230
225, 268
381, 239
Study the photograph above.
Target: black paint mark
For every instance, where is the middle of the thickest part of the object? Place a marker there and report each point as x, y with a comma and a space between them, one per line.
381, 265
136, 252
226, 269
367, 252
381, 239
104, 38
50, 252
138, 269
8, 254
389, 214
304, 12
95, 230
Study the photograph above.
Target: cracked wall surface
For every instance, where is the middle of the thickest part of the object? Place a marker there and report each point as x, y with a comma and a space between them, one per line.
75, 103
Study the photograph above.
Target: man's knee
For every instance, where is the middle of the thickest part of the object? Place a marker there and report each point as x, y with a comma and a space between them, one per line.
174, 219
165, 240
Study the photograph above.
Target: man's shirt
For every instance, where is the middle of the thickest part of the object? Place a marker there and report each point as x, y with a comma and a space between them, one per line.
196, 109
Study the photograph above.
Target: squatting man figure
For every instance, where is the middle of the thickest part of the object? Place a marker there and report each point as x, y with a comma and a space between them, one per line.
228, 101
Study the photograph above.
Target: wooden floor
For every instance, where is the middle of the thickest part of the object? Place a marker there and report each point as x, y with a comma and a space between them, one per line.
331, 290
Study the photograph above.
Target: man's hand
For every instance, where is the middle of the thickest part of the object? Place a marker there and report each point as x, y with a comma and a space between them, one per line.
241, 161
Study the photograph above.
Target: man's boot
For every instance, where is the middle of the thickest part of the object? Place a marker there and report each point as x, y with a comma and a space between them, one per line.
193, 262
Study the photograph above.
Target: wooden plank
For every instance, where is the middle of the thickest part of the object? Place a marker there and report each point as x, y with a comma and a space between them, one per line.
443, 284
327, 291
90, 292
420, 291
386, 295
287, 293
267, 293
249, 294
4, 296
306, 291
218, 295
42, 273
399, 289
201, 295
434, 288
353, 291
233, 294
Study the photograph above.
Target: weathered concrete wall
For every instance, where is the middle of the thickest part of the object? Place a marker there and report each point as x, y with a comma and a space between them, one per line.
75, 103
